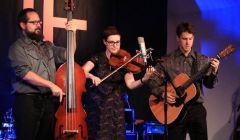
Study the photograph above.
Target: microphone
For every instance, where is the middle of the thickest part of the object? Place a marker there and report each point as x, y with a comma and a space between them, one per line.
143, 49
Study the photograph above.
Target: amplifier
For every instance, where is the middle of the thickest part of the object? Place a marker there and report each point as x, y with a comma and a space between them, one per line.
131, 136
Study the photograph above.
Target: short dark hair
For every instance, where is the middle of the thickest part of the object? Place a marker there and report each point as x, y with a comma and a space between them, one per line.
22, 16
110, 30
184, 27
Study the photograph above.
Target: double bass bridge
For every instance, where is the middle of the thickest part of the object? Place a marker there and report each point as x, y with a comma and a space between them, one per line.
70, 133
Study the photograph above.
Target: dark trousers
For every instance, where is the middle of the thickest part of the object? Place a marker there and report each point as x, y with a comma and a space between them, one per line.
194, 123
34, 117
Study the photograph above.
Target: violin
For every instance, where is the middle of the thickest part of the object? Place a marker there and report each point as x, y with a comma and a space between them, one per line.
123, 58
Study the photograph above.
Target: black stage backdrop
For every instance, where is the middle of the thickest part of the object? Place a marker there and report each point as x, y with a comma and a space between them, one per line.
147, 18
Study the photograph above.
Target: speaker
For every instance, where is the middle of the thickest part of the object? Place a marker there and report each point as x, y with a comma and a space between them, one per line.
129, 120
153, 137
153, 131
153, 127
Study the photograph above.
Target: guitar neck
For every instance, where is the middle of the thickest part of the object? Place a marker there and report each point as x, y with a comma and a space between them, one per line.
196, 76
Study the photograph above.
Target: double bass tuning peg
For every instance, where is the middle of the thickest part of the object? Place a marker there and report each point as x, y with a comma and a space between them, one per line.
69, 5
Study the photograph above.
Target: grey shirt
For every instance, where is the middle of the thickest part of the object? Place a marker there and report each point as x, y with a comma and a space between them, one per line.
176, 63
39, 57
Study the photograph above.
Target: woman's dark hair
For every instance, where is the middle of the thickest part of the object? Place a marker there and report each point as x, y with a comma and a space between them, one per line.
110, 30
184, 27
22, 16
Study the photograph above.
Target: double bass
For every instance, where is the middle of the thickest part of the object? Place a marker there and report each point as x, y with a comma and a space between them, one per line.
70, 77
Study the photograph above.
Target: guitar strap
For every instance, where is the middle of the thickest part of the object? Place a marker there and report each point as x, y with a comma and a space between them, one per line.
194, 70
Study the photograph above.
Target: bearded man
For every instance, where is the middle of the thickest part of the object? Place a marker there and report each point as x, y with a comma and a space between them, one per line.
33, 62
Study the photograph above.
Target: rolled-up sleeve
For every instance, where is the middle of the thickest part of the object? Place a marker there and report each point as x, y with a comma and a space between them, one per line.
155, 82
19, 61
210, 81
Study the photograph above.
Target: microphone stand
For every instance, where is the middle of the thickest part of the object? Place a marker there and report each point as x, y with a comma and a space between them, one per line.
165, 82
179, 91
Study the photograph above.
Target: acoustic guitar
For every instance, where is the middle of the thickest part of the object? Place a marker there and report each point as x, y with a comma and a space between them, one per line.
184, 89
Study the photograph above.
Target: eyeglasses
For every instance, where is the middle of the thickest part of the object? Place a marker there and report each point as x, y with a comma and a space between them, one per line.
35, 22
113, 42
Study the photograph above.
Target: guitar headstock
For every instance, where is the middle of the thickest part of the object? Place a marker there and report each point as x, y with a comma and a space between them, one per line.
69, 5
226, 51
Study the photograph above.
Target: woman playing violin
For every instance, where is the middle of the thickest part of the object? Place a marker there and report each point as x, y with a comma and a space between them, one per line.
104, 105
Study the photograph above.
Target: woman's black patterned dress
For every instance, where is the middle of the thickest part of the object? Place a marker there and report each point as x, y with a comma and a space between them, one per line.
104, 104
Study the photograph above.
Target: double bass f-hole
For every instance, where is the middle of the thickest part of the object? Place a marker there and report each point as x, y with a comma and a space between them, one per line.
70, 77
